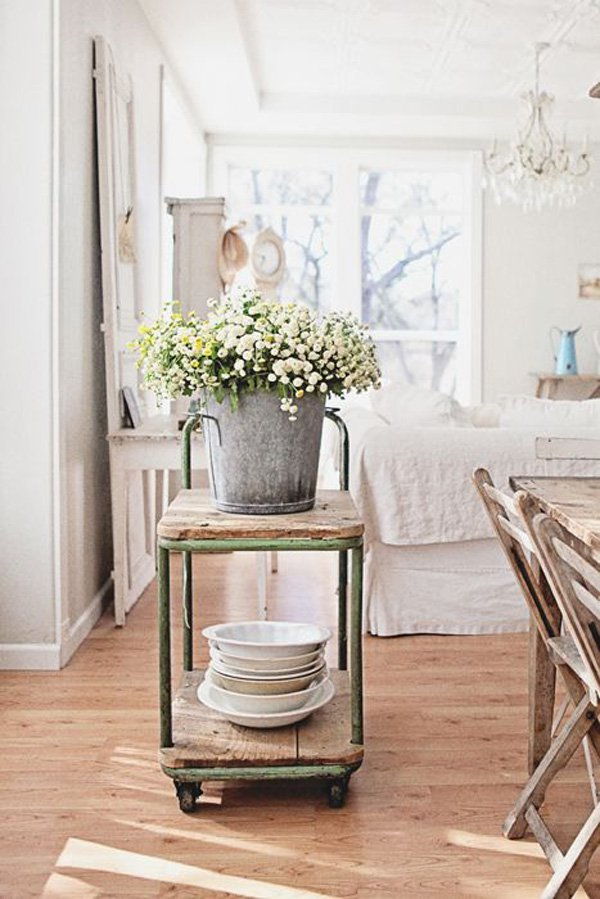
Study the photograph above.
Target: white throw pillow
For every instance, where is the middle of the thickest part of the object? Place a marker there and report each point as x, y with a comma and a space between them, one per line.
531, 412
402, 405
485, 415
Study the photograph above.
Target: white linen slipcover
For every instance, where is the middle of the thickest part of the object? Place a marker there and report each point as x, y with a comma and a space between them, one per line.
441, 588
433, 563
412, 486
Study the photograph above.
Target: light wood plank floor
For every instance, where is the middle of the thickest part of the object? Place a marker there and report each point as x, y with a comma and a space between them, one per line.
86, 812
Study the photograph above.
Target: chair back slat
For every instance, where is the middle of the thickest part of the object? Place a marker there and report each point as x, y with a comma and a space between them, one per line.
587, 571
502, 499
517, 534
576, 584
507, 520
584, 596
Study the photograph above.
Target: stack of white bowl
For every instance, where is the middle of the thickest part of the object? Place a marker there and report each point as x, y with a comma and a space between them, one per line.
266, 673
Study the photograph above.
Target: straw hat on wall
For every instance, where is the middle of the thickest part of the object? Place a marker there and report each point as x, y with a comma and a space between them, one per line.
233, 254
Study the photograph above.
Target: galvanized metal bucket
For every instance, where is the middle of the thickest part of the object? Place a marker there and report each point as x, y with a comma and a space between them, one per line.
260, 462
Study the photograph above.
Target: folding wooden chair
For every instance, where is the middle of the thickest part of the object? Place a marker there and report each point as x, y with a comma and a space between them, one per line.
575, 582
544, 612
507, 519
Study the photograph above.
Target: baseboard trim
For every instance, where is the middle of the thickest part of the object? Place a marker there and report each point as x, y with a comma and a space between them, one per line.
29, 656
76, 633
53, 656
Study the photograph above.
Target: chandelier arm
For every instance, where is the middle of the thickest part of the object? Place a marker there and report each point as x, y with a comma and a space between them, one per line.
537, 170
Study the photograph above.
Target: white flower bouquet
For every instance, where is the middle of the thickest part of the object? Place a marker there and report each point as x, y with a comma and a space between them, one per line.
248, 344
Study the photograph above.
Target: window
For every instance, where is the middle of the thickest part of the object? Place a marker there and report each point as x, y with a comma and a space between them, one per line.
411, 272
392, 236
296, 204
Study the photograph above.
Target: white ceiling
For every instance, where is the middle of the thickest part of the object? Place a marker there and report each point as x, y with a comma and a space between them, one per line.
379, 67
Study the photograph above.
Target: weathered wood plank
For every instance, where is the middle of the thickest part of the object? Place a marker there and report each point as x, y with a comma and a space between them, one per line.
203, 738
325, 736
564, 649
573, 502
542, 687
573, 866
192, 516
540, 830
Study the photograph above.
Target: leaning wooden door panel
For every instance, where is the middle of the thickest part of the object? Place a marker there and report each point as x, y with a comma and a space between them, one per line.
134, 562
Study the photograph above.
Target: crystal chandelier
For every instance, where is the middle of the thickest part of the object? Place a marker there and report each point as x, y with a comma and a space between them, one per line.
537, 170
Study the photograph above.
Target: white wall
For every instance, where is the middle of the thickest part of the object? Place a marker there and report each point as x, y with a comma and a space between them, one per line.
27, 571
183, 168
530, 266
54, 479
87, 544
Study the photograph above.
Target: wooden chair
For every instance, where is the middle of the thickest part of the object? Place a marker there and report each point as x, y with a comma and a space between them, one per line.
575, 582
544, 612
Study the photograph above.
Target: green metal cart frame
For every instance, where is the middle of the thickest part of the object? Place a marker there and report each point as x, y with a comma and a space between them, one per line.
188, 780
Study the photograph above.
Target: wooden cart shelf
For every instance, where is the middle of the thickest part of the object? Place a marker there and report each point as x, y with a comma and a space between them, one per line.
197, 744
192, 516
204, 739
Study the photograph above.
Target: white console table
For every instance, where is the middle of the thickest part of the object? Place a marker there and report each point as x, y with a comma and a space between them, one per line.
153, 449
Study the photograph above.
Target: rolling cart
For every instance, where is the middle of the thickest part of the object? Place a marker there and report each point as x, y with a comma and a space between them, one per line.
196, 743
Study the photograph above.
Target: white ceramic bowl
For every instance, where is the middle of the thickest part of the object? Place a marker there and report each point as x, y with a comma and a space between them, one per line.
267, 639
266, 675
241, 674
261, 687
220, 703
261, 705
284, 665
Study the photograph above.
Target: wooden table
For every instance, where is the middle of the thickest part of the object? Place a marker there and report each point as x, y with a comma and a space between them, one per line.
567, 387
575, 504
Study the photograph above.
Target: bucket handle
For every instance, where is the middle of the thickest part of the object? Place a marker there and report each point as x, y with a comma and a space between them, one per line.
216, 421
194, 418
332, 414
204, 415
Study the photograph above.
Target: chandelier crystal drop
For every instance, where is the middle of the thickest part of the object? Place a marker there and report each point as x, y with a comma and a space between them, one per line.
537, 170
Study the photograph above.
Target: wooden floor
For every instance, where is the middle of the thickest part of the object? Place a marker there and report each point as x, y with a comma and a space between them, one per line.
86, 811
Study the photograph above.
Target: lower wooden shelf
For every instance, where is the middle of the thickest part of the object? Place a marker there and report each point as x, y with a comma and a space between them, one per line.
203, 739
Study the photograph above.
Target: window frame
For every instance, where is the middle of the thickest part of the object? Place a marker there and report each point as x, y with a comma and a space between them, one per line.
345, 211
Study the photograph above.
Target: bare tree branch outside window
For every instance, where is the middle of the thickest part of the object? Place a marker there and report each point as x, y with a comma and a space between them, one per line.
286, 201
401, 246
410, 237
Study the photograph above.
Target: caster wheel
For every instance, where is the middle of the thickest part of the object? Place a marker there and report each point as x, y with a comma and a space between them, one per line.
187, 794
336, 792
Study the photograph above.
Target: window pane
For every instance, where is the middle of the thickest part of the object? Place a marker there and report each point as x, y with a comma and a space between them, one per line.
412, 270
306, 235
406, 188
275, 187
430, 364
306, 240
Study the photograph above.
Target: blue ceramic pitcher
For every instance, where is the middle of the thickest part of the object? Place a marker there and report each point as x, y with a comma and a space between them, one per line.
565, 359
